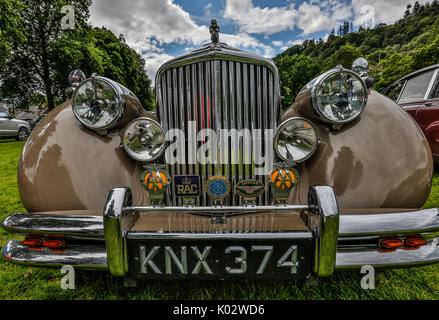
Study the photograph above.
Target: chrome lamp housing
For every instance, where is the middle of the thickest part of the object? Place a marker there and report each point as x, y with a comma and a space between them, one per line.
339, 96
144, 139
296, 140
99, 103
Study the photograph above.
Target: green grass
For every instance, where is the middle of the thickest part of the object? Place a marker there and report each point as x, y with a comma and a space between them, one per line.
18, 282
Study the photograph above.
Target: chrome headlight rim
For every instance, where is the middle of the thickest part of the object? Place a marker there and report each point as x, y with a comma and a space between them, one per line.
316, 86
132, 154
120, 101
279, 131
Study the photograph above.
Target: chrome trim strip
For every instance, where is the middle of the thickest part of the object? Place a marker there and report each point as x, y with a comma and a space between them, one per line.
224, 53
362, 225
219, 236
225, 209
431, 84
427, 254
84, 257
72, 226
115, 226
323, 203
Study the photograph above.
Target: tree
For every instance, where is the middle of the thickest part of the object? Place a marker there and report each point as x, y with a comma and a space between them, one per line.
416, 8
426, 56
344, 56
295, 71
407, 12
393, 68
99, 51
30, 69
10, 32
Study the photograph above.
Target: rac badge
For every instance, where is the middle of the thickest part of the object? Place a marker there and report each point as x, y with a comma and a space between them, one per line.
250, 189
218, 187
187, 186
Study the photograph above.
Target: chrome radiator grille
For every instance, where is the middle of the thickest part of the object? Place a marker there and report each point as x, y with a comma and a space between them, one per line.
218, 94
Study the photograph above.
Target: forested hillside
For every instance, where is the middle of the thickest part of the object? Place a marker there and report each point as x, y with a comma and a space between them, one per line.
392, 50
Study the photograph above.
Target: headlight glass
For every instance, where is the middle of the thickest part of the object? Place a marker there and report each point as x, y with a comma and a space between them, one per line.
296, 140
98, 104
339, 96
144, 140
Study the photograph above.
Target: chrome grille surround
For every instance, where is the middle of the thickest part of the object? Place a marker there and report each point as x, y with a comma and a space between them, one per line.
219, 87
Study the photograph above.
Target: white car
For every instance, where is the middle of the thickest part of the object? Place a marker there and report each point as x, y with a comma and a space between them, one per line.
13, 128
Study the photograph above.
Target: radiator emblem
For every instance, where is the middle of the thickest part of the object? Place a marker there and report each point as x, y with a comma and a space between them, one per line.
282, 182
187, 186
156, 182
218, 187
249, 189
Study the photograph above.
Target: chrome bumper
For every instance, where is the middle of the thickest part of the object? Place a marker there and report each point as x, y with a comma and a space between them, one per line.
341, 242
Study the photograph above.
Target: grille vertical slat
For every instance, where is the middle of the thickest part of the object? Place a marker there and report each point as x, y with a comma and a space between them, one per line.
219, 94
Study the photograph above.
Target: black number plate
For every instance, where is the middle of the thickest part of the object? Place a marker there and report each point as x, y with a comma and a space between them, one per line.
247, 256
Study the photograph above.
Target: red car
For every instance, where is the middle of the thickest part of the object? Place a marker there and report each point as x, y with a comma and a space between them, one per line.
418, 94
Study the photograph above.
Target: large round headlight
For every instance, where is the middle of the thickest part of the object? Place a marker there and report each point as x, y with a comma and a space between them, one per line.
296, 140
339, 96
144, 140
98, 103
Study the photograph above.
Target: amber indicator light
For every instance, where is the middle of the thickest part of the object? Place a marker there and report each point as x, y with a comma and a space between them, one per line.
391, 243
53, 243
415, 242
32, 242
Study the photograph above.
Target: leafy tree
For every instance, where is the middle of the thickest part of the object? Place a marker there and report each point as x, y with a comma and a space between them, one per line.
30, 69
41, 63
426, 56
10, 32
99, 51
392, 69
295, 72
344, 56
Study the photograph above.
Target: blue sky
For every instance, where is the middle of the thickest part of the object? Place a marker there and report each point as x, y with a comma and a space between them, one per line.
163, 29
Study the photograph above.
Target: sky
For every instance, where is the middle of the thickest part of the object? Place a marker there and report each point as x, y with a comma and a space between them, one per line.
162, 29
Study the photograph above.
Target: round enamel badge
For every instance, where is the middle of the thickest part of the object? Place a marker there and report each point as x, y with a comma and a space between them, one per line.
218, 187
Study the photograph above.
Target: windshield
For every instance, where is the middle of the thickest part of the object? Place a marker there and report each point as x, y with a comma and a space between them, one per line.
3, 114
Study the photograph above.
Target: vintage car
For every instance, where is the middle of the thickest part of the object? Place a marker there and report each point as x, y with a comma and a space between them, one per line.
418, 94
10, 127
218, 183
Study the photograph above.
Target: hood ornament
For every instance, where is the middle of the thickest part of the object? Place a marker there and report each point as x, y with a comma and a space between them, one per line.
214, 30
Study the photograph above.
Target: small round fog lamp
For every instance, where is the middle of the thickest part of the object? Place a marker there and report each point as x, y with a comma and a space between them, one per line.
144, 140
296, 140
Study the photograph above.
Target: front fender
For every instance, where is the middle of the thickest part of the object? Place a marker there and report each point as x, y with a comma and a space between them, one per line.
381, 160
65, 166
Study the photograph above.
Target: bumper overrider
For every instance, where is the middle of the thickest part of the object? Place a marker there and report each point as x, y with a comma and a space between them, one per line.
327, 243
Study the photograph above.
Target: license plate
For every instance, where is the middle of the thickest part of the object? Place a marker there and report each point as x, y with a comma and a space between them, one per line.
221, 258
187, 186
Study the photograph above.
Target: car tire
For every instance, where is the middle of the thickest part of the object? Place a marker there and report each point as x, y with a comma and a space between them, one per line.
22, 135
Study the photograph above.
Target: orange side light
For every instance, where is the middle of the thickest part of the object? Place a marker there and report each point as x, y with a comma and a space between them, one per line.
32, 242
53, 243
415, 242
391, 243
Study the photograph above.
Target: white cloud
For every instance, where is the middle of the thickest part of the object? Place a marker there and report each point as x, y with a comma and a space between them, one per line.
382, 11
310, 17
149, 24
207, 8
266, 20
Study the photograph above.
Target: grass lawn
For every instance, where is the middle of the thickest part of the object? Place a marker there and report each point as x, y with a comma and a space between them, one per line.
33, 283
